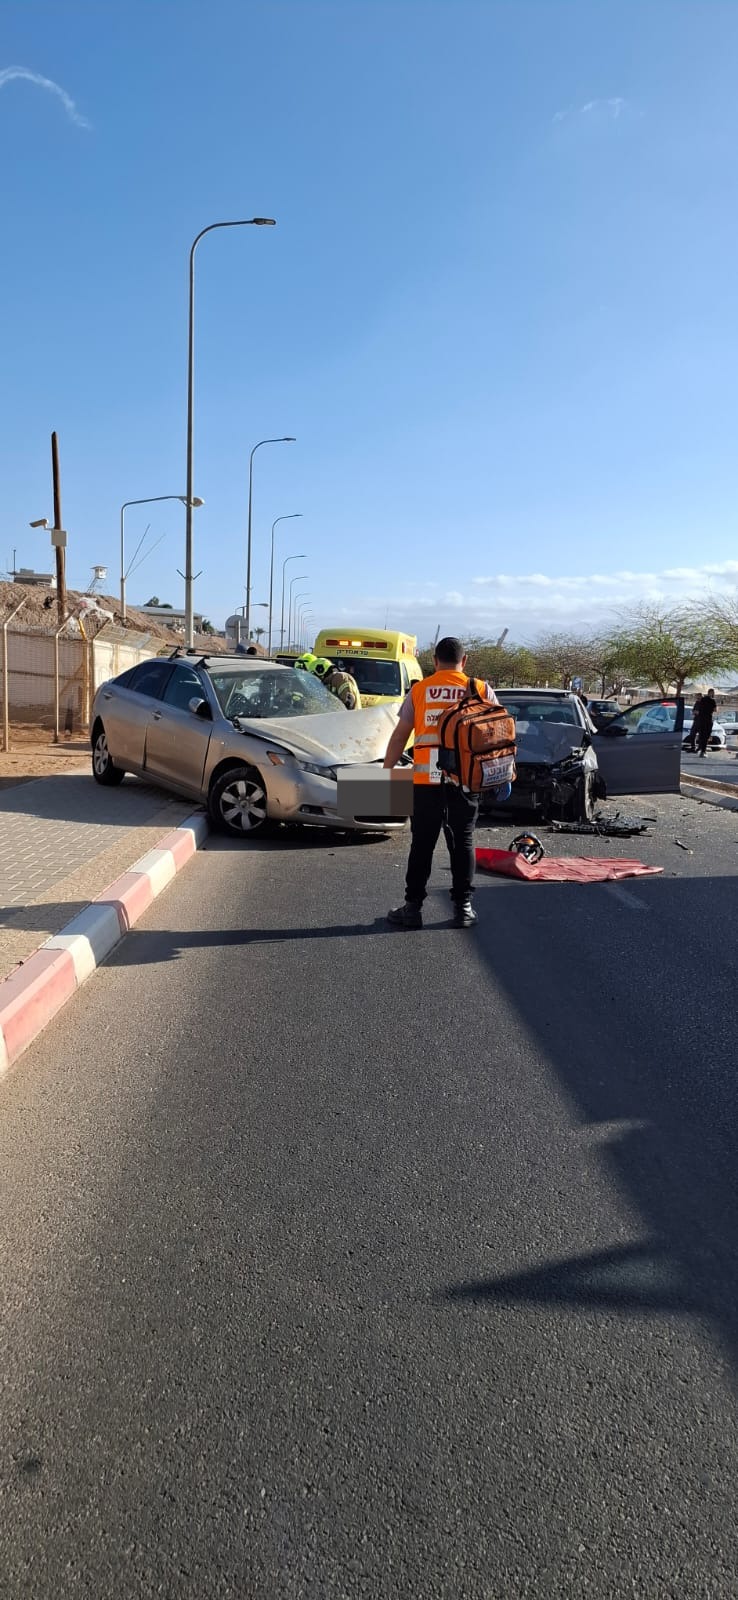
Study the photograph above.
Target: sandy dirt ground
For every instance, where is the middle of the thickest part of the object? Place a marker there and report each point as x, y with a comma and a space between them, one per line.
31, 757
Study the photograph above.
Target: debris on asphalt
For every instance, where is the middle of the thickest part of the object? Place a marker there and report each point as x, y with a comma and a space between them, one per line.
617, 827
683, 847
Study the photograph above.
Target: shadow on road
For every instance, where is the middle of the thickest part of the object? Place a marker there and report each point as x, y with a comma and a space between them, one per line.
75, 797
38, 916
610, 1018
138, 949
634, 1278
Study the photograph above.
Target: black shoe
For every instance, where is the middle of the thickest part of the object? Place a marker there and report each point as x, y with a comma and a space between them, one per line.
408, 915
464, 916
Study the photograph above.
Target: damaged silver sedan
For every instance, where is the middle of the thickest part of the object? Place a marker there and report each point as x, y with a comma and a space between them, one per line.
253, 740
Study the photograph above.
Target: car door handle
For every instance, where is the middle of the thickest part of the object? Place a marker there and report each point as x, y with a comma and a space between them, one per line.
107, 694
156, 716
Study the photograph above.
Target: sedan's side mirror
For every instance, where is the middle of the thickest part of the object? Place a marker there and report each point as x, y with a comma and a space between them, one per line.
198, 707
613, 730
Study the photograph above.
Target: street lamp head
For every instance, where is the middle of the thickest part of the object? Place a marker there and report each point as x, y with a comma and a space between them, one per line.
264, 222
195, 501
288, 439
43, 522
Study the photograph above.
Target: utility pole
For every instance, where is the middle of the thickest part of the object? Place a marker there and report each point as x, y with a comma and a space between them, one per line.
61, 582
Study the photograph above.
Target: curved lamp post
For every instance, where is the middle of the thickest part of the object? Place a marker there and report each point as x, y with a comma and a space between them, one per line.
288, 518
286, 440
296, 579
242, 222
281, 619
293, 602
150, 500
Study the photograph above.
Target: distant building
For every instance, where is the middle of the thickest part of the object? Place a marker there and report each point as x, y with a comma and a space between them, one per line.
171, 617
35, 580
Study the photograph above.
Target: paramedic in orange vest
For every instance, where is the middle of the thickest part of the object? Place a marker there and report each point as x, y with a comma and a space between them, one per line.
436, 804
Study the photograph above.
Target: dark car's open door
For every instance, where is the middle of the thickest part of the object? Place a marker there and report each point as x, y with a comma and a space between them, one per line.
640, 751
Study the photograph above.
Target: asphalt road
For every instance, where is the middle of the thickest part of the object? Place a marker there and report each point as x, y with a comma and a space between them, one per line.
339, 1261
721, 765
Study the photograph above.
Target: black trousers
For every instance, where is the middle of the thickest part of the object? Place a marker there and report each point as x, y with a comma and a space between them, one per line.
436, 806
704, 731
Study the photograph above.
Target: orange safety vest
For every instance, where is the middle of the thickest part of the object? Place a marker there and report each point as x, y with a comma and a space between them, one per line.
431, 700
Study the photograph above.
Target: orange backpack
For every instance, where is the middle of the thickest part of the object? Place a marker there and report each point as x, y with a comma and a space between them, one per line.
477, 743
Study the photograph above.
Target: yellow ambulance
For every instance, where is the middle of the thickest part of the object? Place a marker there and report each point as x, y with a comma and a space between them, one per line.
384, 663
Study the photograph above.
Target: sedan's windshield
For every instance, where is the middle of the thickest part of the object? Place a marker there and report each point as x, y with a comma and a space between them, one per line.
372, 677
270, 693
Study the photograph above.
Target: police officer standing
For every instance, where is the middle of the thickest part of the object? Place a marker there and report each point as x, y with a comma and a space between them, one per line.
437, 803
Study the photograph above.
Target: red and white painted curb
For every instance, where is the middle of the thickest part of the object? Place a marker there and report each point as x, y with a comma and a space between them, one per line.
34, 993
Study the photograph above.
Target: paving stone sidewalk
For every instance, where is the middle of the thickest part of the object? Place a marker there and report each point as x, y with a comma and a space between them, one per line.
63, 839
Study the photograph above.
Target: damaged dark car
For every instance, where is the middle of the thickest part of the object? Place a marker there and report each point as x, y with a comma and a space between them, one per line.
557, 771
565, 764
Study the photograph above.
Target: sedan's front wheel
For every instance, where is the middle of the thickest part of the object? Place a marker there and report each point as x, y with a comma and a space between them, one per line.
237, 802
104, 769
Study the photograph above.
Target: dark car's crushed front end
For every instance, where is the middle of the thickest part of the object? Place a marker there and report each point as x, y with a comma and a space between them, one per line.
556, 765
562, 789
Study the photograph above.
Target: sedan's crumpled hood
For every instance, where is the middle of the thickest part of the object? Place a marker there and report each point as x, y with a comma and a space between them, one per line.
547, 742
332, 738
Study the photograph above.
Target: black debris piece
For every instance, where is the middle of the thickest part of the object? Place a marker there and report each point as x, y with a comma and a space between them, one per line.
617, 827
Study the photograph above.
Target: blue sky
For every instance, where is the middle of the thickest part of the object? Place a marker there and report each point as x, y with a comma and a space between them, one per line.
498, 310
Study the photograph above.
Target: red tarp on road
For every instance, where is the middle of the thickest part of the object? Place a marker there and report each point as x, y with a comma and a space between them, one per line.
568, 869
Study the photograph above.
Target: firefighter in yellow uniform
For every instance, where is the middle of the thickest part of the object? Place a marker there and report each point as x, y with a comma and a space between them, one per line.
436, 804
341, 684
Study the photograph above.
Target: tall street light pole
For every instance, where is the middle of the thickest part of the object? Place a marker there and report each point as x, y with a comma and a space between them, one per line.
288, 518
305, 616
301, 596
286, 440
281, 619
149, 501
242, 222
296, 579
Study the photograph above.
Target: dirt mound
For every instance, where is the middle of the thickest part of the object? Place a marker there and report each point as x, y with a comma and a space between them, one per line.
39, 613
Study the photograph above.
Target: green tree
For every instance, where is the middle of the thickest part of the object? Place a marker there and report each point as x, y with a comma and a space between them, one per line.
563, 656
720, 612
668, 646
606, 658
521, 666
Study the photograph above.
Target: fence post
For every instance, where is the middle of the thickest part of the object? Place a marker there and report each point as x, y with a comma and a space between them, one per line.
89, 659
56, 679
6, 681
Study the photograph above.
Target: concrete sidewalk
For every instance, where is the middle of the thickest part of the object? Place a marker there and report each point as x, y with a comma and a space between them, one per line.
63, 839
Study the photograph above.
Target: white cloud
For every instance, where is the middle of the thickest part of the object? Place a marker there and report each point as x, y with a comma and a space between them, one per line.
612, 108
530, 602
695, 576
9, 74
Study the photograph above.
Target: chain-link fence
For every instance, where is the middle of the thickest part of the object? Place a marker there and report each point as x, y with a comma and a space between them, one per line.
48, 682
